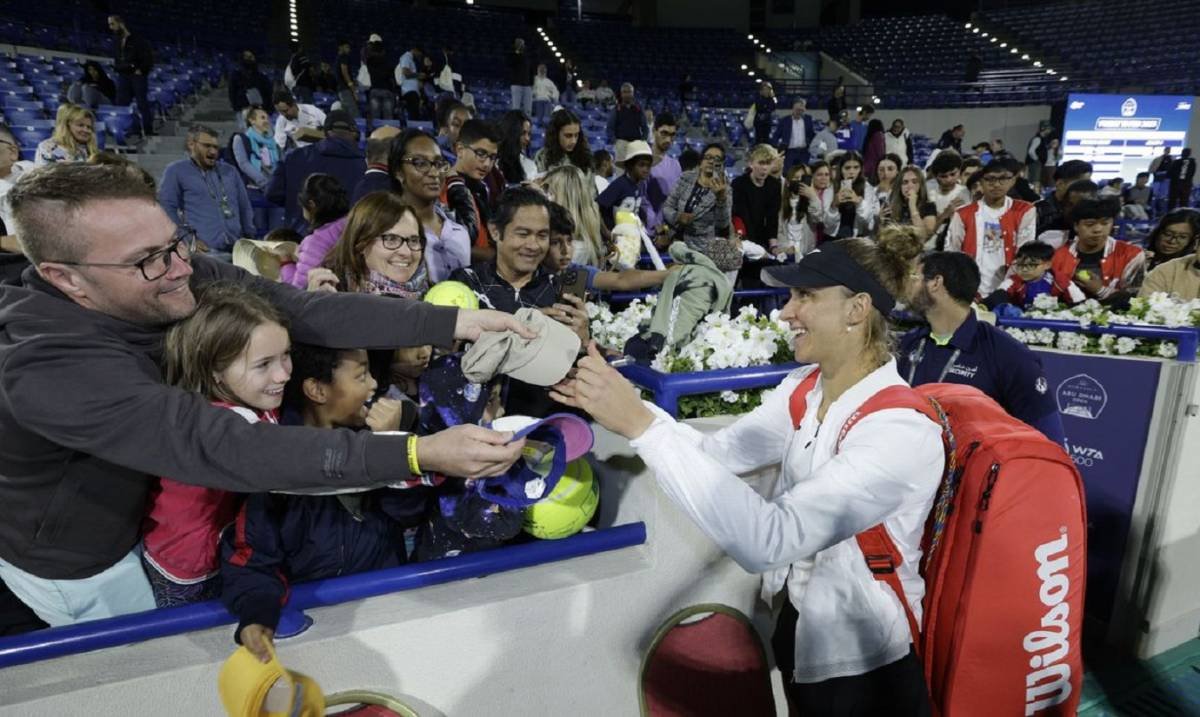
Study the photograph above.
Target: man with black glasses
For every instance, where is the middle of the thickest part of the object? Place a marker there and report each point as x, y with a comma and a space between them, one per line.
207, 194
990, 230
88, 422
466, 193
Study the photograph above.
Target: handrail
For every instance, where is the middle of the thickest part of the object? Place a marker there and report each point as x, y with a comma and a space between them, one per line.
129, 629
668, 388
1188, 339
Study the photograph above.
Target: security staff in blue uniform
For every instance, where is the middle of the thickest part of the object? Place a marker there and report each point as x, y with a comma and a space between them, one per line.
957, 348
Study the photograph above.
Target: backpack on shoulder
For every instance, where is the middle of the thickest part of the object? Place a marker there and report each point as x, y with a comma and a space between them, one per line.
1003, 558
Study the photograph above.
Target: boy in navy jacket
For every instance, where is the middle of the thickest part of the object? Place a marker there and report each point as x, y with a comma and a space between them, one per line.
279, 538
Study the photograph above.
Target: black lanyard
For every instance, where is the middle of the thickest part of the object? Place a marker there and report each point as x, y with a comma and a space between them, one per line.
915, 360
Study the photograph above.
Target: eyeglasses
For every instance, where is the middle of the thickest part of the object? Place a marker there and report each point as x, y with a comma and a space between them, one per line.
1173, 236
155, 265
1030, 264
997, 179
395, 241
480, 154
423, 165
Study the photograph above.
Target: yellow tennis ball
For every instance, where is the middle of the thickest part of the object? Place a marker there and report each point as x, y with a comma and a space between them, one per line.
452, 293
569, 506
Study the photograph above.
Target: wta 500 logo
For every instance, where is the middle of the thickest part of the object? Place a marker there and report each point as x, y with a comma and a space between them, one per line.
1049, 682
1084, 455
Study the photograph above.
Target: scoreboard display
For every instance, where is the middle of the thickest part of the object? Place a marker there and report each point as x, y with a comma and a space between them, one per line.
1121, 134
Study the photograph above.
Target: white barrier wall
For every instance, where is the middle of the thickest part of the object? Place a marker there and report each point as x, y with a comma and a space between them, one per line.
558, 639
1160, 603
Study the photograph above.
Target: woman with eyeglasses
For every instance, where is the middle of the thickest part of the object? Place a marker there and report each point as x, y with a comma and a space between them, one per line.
324, 203
700, 204
417, 167
1173, 237
382, 250
1174, 262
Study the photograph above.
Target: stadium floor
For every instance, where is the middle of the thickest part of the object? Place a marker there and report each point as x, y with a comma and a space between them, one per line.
1166, 685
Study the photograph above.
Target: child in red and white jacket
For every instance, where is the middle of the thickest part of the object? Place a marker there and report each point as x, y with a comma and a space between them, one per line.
1029, 277
1095, 265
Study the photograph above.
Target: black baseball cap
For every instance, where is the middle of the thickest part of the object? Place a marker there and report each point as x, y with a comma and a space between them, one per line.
830, 265
340, 119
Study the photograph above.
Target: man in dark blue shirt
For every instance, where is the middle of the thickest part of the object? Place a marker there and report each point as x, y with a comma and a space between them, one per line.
957, 348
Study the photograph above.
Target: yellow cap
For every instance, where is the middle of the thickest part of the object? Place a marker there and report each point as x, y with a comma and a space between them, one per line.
244, 683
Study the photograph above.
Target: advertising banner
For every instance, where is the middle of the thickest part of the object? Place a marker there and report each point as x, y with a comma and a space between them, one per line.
1121, 134
1106, 406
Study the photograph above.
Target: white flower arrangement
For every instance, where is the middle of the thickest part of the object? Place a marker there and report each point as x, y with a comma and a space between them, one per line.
1158, 309
720, 341
613, 330
1106, 344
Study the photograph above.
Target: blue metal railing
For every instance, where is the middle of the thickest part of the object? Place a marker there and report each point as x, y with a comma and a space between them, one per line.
622, 296
668, 388
1186, 338
130, 629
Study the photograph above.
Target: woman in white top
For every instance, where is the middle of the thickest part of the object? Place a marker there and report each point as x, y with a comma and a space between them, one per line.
843, 640
74, 138
855, 206
799, 216
545, 94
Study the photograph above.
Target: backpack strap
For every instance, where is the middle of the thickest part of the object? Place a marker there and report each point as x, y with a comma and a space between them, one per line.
878, 549
877, 546
798, 403
883, 557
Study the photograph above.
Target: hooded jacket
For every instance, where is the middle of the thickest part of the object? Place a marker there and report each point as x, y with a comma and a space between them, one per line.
87, 421
687, 296
281, 539
332, 155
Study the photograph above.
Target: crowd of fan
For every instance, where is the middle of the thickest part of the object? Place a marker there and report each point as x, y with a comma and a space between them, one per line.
469, 204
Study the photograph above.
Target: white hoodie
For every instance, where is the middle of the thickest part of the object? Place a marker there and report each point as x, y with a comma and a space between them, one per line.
544, 89
802, 535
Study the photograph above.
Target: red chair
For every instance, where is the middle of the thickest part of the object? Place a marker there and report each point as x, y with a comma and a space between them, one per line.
706, 660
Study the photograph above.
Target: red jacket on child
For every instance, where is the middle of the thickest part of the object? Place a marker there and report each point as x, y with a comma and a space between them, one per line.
182, 531
1121, 269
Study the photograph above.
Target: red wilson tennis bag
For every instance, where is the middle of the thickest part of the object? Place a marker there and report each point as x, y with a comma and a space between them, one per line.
1003, 558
